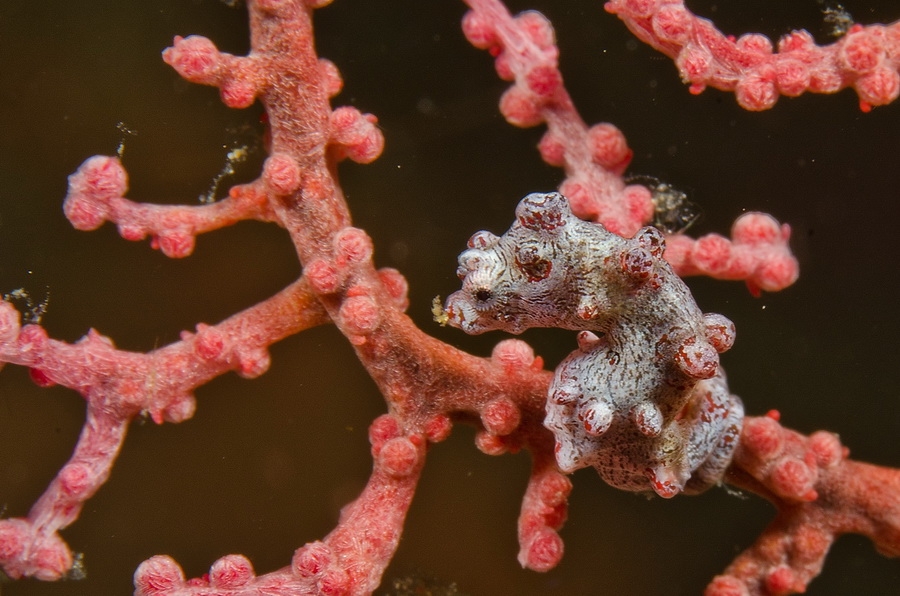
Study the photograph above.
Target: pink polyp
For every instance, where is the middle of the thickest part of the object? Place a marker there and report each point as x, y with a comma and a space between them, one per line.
672, 24
827, 449
272, 6
352, 246
543, 552
253, 362
398, 457
638, 202
183, 407
323, 276
175, 244
538, 28
479, 30
132, 232
503, 67
641, 8
879, 87
362, 141
519, 108
543, 80
194, 57
438, 428
694, 64
209, 343
725, 585
32, 339
861, 52
552, 150
501, 416
360, 315
52, 560
238, 93
800, 42
755, 93
334, 582
609, 147
75, 479
331, 77
13, 535
781, 580
490, 444
9, 322
711, 253
157, 575
311, 559
83, 213
792, 77
583, 204
755, 228
282, 174
513, 354
383, 429
776, 273
396, 285
763, 437
554, 489
793, 479
231, 571
100, 177
98, 180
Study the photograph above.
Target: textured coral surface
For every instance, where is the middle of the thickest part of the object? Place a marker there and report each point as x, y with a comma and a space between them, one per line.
265, 465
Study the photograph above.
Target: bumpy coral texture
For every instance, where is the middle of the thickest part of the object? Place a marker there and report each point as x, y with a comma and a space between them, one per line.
643, 399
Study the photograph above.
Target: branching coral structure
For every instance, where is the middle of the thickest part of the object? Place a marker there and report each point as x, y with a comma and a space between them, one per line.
643, 398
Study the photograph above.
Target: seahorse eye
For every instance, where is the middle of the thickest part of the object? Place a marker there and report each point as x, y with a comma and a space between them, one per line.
483, 295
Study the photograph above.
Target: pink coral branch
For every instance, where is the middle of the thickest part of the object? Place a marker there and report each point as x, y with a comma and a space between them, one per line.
543, 513
308, 138
867, 58
642, 399
119, 385
96, 194
32, 546
593, 158
819, 493
757, 253
349, 561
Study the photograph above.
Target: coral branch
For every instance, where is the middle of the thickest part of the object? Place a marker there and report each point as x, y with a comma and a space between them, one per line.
307, 137
819, 493
758, 253
867, 58
119, 385
96, 194
593, 158
643, 398
32, 546
543, 513
350, 560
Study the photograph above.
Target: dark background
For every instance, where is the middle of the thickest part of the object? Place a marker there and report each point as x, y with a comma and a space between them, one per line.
265, 465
